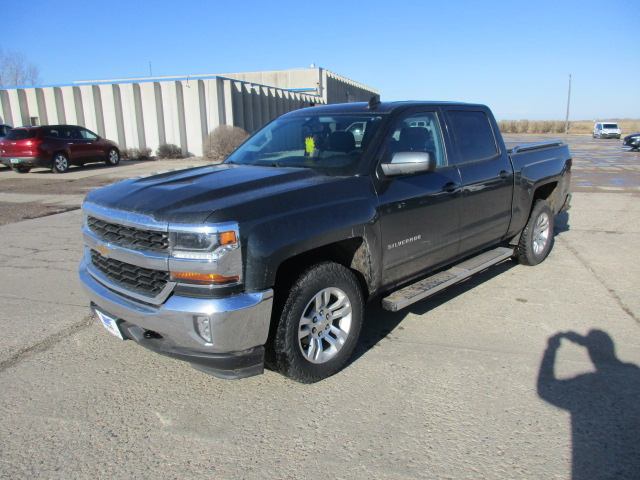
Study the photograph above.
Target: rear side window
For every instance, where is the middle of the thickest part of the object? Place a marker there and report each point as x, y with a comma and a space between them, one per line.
20, 135
473, 136
51, 133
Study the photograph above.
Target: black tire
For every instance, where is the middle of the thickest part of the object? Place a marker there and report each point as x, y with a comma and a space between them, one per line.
59, 163
537, 237
326, 301
113, 157
21, 169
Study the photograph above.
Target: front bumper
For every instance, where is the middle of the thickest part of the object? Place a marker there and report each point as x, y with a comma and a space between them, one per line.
239, 327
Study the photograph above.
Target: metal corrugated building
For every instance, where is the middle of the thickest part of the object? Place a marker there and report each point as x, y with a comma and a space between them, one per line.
148, 112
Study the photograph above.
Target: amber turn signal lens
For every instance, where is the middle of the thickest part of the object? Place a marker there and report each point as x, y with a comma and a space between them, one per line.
227, 237
204, 278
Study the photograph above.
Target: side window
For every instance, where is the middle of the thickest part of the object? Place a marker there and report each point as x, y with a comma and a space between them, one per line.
66, 133
87, 134
473, 136
419, 132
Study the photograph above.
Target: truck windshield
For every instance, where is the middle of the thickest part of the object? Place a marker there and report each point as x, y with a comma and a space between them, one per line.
333, 143
610, 125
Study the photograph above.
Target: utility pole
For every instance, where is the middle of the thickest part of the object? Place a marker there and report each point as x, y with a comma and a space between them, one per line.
566, 121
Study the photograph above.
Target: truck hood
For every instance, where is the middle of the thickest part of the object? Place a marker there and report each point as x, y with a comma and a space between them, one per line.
192, 195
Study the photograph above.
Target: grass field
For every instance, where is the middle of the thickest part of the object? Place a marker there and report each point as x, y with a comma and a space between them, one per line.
576, 127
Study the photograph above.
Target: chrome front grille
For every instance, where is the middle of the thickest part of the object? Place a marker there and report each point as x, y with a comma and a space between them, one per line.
142, 281
128, 237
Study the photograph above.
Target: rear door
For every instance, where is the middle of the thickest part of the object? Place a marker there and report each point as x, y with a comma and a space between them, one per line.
420, 213
486, 177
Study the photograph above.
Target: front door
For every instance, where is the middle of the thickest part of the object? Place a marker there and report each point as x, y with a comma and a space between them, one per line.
92, 148
420, 214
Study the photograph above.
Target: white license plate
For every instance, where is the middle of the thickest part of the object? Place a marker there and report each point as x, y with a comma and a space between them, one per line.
15, 160
110, 324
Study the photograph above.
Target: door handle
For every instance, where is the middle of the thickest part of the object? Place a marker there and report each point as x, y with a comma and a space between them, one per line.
503, 174
451, 187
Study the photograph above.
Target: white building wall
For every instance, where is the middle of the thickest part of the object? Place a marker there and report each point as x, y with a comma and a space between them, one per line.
170, 110
90, 108
69, 106
130, 122
12, 99
150, 116
50, 105
109, 116
194, 129
139, 114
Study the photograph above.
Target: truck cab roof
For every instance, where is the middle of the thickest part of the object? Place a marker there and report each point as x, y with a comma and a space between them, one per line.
382, 107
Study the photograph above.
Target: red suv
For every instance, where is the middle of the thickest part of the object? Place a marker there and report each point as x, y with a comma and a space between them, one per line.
55, 147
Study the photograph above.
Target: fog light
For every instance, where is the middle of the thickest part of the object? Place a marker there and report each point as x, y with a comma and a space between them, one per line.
203, 326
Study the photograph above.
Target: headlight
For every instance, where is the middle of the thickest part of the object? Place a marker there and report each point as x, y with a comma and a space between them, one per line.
205, 255
208, 246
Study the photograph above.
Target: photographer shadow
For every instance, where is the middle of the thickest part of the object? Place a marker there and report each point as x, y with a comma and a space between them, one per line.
604, 407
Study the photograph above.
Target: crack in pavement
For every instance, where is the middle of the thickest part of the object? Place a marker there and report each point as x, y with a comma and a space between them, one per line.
46, 344
588, 266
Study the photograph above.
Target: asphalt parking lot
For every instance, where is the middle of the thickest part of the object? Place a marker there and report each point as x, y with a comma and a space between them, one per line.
474, 383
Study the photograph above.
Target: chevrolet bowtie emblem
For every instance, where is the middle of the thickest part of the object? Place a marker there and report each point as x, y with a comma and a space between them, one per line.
104, 250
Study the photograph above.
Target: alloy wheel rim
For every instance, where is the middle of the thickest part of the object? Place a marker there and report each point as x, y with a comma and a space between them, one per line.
61, 162
541, 233
325, 325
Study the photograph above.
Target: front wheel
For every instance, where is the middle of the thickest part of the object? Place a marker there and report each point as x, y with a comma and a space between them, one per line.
320, 323
113, 157
536, 239
60, 163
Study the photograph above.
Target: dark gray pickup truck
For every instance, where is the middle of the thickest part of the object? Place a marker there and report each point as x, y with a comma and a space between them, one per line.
270, 256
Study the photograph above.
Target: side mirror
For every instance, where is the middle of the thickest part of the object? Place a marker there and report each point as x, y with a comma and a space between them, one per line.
406, 163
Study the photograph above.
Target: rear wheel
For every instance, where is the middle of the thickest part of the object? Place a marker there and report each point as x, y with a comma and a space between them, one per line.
536, 239
21, 169
113, 157
60, 163
320, 323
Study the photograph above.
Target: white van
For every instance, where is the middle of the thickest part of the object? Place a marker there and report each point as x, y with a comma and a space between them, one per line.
606, 130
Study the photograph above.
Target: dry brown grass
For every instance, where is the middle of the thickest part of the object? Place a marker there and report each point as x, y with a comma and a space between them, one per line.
576, 127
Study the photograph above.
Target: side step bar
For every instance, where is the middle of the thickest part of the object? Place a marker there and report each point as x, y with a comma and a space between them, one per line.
417, 291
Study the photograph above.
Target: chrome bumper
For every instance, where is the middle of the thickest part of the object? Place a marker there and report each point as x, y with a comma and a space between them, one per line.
239, 326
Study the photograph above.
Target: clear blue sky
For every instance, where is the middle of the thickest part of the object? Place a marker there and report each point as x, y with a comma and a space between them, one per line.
513, 56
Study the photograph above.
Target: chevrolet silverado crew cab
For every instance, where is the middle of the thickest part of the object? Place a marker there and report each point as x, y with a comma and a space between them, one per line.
270, 256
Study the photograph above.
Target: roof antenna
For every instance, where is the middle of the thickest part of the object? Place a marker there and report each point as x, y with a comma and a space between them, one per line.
374, 102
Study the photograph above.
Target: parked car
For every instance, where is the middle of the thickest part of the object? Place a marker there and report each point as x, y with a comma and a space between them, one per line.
4, 129
55, 147
270, 256
631, 142
606, 130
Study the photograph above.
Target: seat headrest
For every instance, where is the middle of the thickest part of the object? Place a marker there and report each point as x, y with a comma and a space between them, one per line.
341, 142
